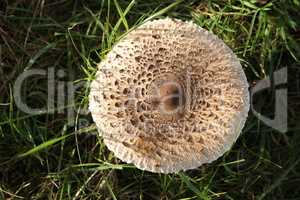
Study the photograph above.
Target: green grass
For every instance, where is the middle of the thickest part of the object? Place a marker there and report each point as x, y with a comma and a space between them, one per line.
44, 157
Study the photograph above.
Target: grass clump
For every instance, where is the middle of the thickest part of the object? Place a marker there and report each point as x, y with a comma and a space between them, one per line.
45, 156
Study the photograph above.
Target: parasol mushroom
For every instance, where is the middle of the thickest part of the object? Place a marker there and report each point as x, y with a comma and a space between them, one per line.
169, 96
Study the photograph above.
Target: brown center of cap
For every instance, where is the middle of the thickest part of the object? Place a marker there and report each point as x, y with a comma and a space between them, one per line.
168, 97
171, 96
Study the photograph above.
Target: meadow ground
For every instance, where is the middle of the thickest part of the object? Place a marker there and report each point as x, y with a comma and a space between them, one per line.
57, 154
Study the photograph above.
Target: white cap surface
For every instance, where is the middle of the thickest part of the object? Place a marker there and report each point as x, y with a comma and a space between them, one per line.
169, 96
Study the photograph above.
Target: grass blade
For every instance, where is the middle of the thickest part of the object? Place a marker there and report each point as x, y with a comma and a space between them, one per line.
39, 54
51, 142
279, 180
191, 186
43, 146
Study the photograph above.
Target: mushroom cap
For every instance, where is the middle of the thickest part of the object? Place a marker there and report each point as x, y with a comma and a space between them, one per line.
169, 96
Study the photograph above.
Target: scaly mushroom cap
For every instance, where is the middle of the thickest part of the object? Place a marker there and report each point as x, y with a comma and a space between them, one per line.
169, 96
